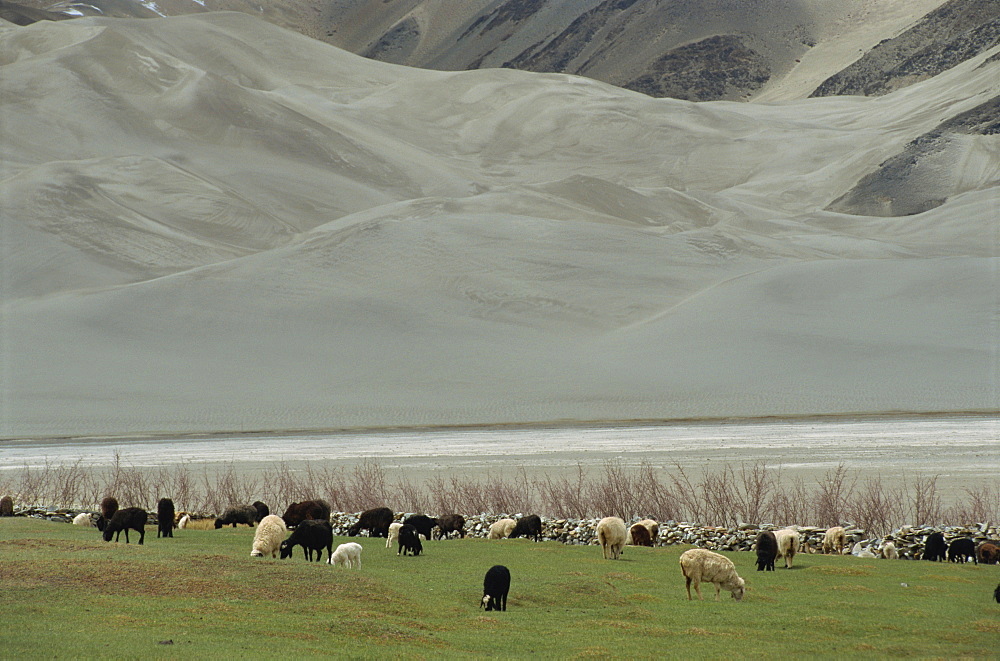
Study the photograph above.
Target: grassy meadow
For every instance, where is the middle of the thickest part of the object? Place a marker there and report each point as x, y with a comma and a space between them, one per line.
66, 593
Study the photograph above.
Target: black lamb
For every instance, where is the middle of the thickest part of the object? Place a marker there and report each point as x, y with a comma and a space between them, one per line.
767, 551
165, 518
130, 518
245, 514
496, 585
312, 535
451, 523
409, 541
961, 549
935, 548
375, 521
528, 526
423, 523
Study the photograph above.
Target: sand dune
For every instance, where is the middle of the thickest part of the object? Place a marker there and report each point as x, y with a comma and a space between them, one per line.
213, 224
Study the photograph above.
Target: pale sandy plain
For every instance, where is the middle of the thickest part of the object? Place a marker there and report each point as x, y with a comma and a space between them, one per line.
213, 225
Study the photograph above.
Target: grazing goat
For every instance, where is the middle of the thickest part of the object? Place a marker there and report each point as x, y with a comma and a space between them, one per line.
835, 539
496, 585
108, 508
6, 506
130, 518
409, 541
348, 555
961, 550
423, 523
393, 535
989, 554
165, 517
269, 536
262, 510
935, 548
638, 535
699, 565
244, 514
788, 544
502, 528
612, 536
376, 521
528, 526
313, 535
767, 550
450, 523
307, 510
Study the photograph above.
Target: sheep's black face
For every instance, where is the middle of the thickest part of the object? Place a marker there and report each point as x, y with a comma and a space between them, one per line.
285, 550
218, 524
107, 534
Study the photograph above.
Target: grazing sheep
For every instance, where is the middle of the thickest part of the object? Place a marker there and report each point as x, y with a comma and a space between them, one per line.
654, 530
961, 550
83, 519
935, 548
6, 506
108, 508
502, 528
835, 539
130, 518
638, 535
240, 514
185, 520
165, 518
262, 510
376, 521
612, 535
305, 511
313, 535
888, 551
348, 555
767, 550
450, 523
528, 526
423, 523
699, 565
788, 544
996, 593
989, 554
393, 535
496, 585
269, 536
409, 540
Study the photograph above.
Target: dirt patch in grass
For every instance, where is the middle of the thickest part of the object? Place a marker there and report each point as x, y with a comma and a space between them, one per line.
949, 579
843, 571
852, 588
593, 653
987, 626
826, 622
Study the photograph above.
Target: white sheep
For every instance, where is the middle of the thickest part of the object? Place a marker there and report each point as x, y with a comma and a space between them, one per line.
835, 538
788, 544
83, 519
183, 523
889, 551
612, 535
502, 528
393, 536
348, 555
270, 533
699, 565
653, 527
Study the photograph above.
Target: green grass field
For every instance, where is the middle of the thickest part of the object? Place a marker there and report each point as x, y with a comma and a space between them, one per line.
67, 594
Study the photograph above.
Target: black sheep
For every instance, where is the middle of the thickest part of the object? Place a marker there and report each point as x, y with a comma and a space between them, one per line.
528, 526
409, 541
130, 518
306, 510
6, 506
165, 518
996, 593
767, 551
640, 535
496, 585
240, 514
451, 523
375, 521
108, 508
262, 510
423, 523
311, 535
934, 547
961, 549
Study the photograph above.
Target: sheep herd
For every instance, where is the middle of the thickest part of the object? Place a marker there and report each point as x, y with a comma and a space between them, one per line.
308, 524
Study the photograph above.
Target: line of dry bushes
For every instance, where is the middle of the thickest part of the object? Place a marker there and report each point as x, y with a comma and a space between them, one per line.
734, 494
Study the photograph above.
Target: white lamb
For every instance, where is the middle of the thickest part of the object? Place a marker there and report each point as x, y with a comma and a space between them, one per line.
788, 544
835, 538
83, 519
502, 528
889, 551
348, 555
699, 565
270, 533
393, 537
185, 520
612, 535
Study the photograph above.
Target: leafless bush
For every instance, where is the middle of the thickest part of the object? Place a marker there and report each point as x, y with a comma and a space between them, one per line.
565, 497
875, 507
925, 504
834, 492
790, 503
658, 499
980, 505
693, 507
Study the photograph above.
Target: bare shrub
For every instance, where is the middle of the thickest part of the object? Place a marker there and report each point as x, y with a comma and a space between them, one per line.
981, 504
564, 497
688, 496
924, 501
874, 507
657, 499
832, 496
368, 486
790, 503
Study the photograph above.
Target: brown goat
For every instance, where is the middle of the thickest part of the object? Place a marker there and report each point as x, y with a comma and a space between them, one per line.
639, 534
